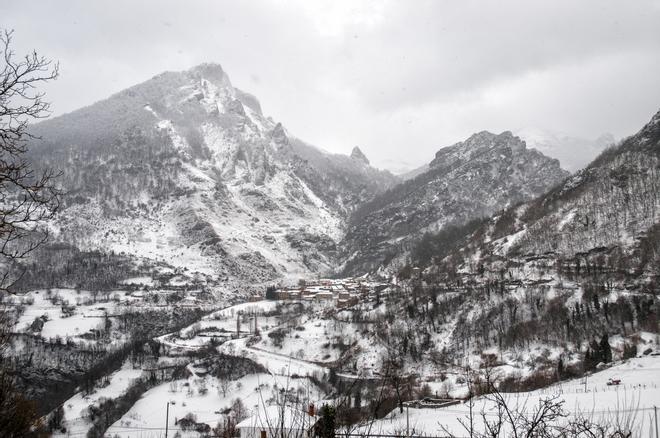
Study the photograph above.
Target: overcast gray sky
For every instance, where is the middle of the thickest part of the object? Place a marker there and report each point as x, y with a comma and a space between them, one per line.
400, 78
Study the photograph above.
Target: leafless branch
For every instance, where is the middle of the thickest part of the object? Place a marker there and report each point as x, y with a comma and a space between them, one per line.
28, 198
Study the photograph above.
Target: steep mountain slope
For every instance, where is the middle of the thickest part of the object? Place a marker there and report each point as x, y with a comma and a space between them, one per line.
612, 203
545, 290
185, 168
555, 279
572, 152
470, 179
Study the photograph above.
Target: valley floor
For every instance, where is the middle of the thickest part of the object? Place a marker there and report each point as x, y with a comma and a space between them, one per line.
205, 398
264, 353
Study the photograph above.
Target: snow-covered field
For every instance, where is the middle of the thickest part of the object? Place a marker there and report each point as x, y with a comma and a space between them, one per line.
634, 399
223, 324
80, 315
75, 408
203, 397
294, 341
86, 315
305, 347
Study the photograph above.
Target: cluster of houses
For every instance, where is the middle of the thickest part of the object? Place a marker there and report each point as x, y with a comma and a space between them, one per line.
345, 292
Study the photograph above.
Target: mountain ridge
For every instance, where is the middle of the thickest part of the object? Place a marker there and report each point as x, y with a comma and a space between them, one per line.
467, 180
184, 168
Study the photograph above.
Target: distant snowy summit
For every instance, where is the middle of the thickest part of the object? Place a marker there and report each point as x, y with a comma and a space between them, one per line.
572, 152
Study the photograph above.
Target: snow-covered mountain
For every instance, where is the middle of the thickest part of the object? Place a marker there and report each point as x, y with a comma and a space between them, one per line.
551, 275
611, 205
544, 290
573, 152
184, 168
471, 179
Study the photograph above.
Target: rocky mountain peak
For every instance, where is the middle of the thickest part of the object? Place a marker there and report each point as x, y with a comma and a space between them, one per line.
477, 146
470, 179
221, 180
358, 155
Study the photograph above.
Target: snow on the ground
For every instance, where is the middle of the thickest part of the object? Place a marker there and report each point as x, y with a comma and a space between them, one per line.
222, 324
75, 408
86, 316
638, 393
139, 281
311, 339
204, 397
250, 307
307, 339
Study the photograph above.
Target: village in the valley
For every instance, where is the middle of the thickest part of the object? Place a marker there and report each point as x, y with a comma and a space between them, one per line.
344, 292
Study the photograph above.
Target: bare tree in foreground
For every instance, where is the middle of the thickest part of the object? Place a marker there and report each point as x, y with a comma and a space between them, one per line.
27, 198
547, 419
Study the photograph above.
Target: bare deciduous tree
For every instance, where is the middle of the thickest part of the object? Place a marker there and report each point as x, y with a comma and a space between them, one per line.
28, 197
546, 419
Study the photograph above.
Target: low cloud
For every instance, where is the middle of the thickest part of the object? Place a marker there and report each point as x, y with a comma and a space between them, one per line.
399, 79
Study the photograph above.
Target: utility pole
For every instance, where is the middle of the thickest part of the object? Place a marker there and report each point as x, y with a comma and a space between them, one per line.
167, 418
407, 422
655, 411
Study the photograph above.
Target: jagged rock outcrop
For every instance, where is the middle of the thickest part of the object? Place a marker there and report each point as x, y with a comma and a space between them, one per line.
358, 155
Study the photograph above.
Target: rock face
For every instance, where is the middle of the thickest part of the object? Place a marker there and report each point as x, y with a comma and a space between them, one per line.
474, 178
358, 155
614, 202
184, 168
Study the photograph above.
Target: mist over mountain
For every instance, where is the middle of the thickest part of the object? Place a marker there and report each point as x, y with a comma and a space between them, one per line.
572, 152
181, 196
185, 169
184, 251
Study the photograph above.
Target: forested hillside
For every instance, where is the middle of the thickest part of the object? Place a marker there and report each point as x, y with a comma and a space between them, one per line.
469, 180
549, 279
